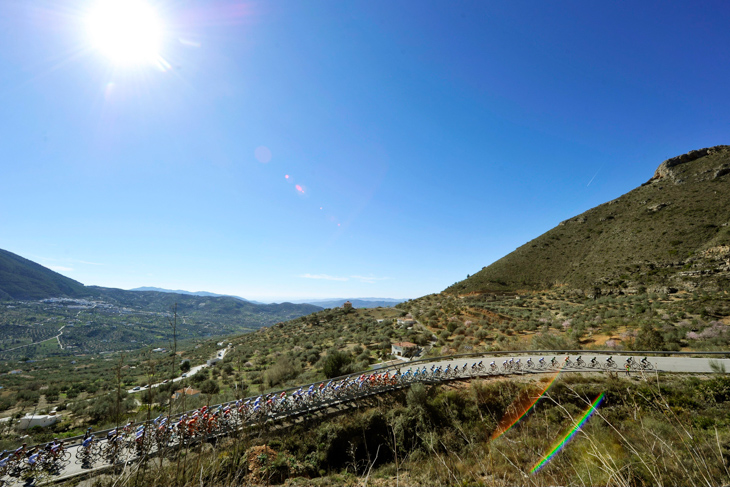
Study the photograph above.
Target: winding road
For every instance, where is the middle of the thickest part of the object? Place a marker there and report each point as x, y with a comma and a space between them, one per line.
660, 364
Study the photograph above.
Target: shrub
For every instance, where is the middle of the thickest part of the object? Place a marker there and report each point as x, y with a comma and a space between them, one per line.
283, 370
336, 364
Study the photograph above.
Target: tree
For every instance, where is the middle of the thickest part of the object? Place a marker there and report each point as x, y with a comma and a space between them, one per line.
210, 388
173, 325
185, 366
649, 338
336, 364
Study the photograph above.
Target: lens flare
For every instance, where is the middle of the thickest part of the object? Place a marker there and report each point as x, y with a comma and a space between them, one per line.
299, 188
263, 154
569, 435
519, 410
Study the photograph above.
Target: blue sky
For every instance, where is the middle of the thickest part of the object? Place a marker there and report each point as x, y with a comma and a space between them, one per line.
421, 140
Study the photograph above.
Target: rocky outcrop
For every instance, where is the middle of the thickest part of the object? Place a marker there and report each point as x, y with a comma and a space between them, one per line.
664, 171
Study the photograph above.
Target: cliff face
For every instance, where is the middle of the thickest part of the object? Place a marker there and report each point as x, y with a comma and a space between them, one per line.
666, 169
668, 234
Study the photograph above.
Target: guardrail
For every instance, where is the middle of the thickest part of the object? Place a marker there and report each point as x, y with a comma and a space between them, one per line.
330, 402
440, 358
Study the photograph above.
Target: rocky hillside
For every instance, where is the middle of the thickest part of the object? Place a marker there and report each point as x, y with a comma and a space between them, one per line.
669, 234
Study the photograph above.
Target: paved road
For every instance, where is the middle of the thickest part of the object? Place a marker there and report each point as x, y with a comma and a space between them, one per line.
194, 370
662, 364
60, 332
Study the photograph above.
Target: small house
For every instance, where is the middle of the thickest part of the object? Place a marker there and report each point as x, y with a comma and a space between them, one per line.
403, 349
188, 391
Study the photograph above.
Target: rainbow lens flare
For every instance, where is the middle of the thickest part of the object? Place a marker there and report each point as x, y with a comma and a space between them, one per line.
521, 408
569, 435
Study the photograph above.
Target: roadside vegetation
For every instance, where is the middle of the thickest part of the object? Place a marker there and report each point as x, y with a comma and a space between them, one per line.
651, 430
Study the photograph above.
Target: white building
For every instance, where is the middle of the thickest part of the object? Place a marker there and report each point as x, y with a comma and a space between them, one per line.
403, 349
29, 421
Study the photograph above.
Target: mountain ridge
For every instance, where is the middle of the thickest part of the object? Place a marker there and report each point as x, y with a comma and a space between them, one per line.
670, 233
21, 278
192, 293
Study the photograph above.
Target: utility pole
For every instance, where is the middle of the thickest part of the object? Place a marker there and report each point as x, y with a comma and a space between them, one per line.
173, 324
118, 371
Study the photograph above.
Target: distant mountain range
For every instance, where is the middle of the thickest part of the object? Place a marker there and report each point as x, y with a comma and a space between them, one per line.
671, 233
324, 303
356, 302
196, 293
25, 280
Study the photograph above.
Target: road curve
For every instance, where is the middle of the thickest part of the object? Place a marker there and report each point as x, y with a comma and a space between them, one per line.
660, 364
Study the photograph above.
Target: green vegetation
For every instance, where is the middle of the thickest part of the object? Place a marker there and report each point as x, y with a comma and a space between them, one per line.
23, 279
562, 320
124, 320
658, 431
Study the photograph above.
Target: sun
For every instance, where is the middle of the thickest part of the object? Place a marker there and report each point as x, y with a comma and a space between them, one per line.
128, 32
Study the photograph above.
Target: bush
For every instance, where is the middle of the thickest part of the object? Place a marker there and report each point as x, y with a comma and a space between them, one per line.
336, 364
283, 370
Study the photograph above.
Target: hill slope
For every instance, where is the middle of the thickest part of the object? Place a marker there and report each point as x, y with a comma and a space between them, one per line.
24, 279
670, 233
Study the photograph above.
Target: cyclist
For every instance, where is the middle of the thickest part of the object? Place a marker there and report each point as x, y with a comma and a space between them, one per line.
542, 361
594, 362
32, 458
57, 447
554, 361
87, 441
20, 451
110, 436
644, 362
88, 433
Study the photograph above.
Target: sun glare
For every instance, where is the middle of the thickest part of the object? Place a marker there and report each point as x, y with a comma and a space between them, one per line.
128, 32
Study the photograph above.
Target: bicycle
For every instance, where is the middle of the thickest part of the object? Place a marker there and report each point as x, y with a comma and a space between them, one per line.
646, 365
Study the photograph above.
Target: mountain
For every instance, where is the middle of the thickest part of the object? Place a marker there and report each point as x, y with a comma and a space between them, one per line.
196, 293
356, 302
671, 233
193, 303
102, 319
23, 279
